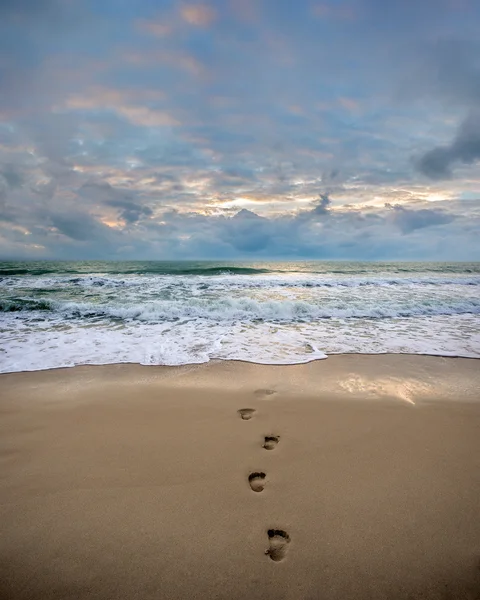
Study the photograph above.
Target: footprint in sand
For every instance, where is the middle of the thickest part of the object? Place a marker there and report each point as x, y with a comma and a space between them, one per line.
278, 540
257, 481
264, 392
271, 441
246, 413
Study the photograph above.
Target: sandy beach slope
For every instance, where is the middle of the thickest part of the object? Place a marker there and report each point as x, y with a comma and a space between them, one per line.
353, 478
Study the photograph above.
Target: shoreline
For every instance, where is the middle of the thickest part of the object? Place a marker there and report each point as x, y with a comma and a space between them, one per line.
354, 478
343, 376
215, 360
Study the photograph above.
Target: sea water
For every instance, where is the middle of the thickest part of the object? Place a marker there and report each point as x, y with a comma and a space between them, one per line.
58, 314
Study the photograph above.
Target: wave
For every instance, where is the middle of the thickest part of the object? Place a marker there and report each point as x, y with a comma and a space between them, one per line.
276, 281
214, 268
229, 279
24, 304
30, 272
224, 270
234, 309
154, 269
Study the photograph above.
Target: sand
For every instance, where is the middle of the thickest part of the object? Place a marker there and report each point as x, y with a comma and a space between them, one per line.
357, 477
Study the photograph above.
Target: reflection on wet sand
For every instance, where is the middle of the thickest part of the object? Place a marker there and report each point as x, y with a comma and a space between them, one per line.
408, 390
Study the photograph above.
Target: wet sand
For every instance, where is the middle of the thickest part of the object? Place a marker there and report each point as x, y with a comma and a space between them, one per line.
353, 478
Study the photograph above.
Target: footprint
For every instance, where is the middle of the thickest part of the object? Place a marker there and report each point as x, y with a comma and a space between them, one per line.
264, 392
246, 413
257, 481
271, 441
279, 541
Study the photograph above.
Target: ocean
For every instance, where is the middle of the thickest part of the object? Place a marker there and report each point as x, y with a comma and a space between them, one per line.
60, 314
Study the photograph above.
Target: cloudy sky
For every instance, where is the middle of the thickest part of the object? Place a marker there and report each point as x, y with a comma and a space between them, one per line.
240, 129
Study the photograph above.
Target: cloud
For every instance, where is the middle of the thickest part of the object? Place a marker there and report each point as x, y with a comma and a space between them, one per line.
78, 226
177, 60
102, 97
158, 125
436, 163
247, 232
200, 15
464, 149
329, 11
445, 69
322, 205
13, 178
409, 220
142, 115
245, 11
369, 233
158, 28
131, 211
349, 104
129, 104
28, 9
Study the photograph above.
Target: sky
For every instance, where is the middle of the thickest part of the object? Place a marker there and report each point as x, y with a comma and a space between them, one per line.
240, 129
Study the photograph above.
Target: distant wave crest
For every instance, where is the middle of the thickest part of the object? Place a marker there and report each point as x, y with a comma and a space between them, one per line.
153, 269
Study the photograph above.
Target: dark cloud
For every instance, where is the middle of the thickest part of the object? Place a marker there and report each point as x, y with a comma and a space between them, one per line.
130, 211
409, 220
436, 163
12, 176
322, 206
446, 70
45, 189
321, 209
77, 226
247, 232
464, 149
25, 9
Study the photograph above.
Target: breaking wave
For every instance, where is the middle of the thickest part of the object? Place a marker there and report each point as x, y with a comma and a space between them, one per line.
239, 309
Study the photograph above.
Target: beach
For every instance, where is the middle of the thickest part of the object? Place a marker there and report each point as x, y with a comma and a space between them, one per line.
355, 477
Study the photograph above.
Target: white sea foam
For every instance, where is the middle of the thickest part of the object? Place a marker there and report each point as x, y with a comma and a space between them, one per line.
228, 281
42, 345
